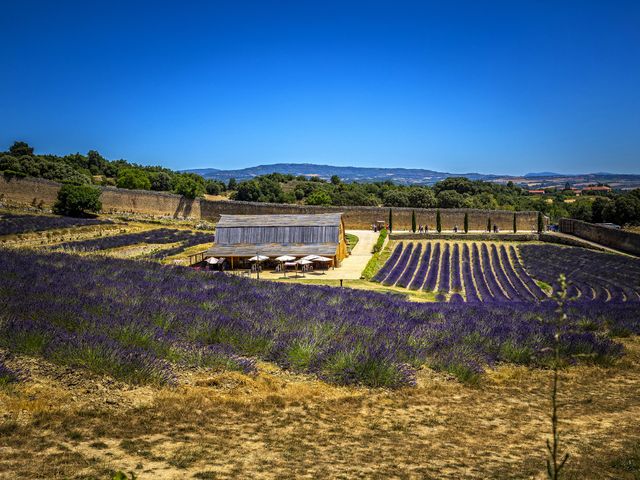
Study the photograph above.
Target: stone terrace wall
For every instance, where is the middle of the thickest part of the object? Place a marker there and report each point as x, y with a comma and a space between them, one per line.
609, 237
42, 193
34, 192
484, 237
363, 217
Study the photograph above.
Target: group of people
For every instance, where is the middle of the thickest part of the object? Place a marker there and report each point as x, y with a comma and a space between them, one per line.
377, 227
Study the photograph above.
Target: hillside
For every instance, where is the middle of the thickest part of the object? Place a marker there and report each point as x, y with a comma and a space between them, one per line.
417, 176
406, 176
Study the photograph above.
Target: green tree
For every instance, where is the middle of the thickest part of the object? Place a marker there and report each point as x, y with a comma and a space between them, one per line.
489, 224
623, 210
466, 222
319, 197
413, 221
540, 222
133, 179
188, 187
438, 221
248, 191
161, 181
19, 149
597, 209
335, 180
421, 197
450, 199
515, 224
233, 184
390, 220
78, 200
395, 198
581, 211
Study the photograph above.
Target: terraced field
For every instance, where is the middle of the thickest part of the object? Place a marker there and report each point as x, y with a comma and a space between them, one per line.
490, 272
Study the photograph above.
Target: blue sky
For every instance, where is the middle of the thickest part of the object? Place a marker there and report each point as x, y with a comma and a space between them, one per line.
492, 87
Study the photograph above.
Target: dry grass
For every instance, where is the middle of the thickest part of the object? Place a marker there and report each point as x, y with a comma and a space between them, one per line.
67, 424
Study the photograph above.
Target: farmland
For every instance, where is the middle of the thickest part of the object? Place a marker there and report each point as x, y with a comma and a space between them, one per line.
138, 364
489, 272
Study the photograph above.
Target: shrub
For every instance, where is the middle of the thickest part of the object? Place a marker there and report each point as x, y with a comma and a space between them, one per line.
380, 242
133, 179
438, 222
188, 187
78, 200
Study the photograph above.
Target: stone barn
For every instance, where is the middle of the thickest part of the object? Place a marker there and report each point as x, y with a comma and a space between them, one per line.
240, 237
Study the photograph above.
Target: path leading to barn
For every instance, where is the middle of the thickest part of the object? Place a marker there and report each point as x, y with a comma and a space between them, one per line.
352, 266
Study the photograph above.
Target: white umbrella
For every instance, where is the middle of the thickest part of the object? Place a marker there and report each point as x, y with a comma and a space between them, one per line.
310, 257
285, 258
322, 259
258, 258
302, 261
212, 260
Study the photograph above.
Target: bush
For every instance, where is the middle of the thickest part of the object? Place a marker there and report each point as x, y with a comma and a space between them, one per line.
133, 179
380, 242
78, 200
188, 187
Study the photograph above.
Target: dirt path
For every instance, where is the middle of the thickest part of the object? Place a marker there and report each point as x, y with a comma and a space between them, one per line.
351, 267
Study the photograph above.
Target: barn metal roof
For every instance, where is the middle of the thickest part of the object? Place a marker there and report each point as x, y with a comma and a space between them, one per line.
273, 249
311, 220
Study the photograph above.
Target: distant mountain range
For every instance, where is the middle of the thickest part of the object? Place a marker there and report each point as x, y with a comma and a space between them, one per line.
419, 176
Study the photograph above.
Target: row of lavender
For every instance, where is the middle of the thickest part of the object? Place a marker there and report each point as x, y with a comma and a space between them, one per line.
593, 275
12, 224
139, 321
186, 238
483, 272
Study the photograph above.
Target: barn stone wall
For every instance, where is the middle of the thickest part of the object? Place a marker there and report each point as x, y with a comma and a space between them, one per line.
610, 237
42, 193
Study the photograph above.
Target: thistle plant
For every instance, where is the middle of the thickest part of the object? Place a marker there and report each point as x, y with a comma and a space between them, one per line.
555, 460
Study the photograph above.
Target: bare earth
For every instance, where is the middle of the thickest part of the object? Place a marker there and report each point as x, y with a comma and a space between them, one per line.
65, 423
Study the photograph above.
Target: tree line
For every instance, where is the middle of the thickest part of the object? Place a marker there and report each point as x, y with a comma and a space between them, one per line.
454, 192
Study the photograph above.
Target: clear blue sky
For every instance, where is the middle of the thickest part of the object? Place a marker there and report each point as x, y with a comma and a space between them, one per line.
488, 86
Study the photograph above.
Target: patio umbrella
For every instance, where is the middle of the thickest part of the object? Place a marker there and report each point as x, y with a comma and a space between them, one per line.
322, 259
303, 261
309, 257
285, 258
258, 258
212, 260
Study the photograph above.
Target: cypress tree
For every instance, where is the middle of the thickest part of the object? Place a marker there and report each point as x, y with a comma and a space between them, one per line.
438, 221
540, 223
413, 221
515, 224
390, 220
489, 224
466, 222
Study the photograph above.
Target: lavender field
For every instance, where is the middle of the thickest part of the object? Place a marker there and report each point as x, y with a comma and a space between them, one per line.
491, 273
186, 238
594, 275
141, 321
11, 224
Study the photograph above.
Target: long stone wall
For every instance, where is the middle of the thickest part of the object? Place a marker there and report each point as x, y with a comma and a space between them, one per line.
363, 217
43, 193
40, 193
628, 242
484, 237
